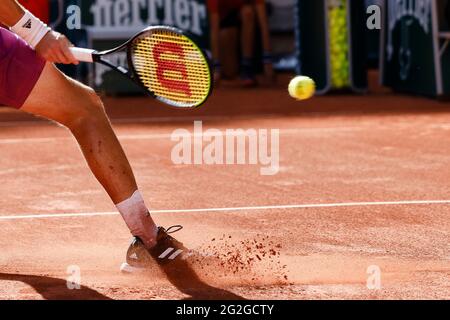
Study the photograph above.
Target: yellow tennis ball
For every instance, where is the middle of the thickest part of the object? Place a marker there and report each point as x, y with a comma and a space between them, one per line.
302, 88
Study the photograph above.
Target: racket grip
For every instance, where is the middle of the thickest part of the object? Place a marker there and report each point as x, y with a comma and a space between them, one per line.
81, 54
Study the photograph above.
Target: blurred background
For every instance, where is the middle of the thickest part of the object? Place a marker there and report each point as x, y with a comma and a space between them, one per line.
338, 43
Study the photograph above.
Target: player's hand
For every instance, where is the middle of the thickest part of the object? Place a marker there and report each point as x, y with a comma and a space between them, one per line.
54, 47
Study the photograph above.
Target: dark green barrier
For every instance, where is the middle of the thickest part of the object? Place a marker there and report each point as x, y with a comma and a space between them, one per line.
415, 58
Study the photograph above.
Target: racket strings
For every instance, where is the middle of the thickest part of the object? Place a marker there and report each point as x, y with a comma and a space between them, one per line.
172, 67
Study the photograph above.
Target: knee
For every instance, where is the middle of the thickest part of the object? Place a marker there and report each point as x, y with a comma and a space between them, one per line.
90, 111
94, 105
247, 14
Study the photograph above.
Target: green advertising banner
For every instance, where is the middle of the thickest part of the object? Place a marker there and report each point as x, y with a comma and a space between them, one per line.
109, 23
411, 60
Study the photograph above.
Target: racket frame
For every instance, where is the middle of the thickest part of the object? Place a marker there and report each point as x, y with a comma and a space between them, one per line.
131, 73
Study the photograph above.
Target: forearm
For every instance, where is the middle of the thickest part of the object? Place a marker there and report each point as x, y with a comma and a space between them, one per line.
10, 12
50, 45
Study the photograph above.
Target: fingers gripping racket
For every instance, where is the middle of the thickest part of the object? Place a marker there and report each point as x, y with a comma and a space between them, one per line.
166, 63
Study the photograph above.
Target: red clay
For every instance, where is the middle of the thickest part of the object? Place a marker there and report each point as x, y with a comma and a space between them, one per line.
334, 149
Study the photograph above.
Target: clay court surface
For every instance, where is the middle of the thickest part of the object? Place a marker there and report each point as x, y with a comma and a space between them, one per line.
363, 181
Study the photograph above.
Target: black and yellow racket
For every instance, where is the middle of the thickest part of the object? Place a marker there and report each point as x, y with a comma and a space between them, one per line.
165, 62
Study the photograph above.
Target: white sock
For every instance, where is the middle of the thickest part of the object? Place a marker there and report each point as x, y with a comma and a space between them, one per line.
138, 219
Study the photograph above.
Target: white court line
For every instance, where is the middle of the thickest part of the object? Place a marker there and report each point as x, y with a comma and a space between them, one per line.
165, 120
156, 136
144, 120
274, 207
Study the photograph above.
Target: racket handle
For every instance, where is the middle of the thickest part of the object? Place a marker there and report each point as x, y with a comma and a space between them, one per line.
81, 54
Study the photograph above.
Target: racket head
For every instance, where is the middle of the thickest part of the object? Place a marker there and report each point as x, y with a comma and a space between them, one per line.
170, 67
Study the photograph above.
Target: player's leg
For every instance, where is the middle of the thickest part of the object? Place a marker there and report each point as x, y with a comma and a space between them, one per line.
229, 34
248, 30
59, 98
77, 107
247, 43
29, 83
39, 88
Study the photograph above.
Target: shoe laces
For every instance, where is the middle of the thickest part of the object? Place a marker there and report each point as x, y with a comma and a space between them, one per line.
174, 229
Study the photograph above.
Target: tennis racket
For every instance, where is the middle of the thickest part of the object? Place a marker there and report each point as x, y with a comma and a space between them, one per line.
165, 62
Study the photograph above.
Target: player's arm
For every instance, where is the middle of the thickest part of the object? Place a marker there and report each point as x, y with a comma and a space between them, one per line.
10, 12
51, 45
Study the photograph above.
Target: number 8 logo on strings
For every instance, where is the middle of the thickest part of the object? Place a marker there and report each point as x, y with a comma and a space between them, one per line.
171, 69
